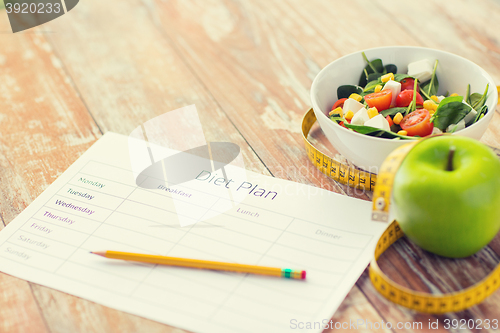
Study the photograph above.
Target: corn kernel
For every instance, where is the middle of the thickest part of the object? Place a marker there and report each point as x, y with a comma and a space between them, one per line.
337, 110
454, 94
430, 105
349, 115
387, 77
356, 97
403, 132
378, 88
435, 98
397, 118
372, 112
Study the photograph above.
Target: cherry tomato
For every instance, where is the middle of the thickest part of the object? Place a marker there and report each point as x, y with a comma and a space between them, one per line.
381, 100
407, 84
389, 120
338, 103
406, 96
417, 123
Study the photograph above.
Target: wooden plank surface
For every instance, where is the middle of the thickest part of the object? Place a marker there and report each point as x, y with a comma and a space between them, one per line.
44, 128
247, 66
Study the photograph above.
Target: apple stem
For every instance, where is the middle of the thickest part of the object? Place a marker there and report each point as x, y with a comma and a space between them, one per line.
449, 167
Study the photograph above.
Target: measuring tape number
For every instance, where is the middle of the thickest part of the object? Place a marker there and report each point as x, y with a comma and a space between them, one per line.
336, 170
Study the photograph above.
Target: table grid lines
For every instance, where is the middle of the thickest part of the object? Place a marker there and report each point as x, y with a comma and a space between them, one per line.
274, 247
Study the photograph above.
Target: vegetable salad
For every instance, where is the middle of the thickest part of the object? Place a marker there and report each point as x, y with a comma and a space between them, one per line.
404, 106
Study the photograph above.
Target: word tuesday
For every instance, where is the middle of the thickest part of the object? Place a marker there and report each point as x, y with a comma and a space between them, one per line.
244, 186
81, 194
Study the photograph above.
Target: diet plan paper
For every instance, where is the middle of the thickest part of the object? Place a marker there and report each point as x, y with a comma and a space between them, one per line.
105, 202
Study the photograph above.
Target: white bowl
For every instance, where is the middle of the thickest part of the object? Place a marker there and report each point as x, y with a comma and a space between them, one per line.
367, 152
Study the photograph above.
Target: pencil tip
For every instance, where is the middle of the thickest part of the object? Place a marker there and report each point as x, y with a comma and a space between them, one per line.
99, 253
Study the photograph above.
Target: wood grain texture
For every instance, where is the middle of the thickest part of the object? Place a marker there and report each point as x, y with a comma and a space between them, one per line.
247, 66
44, 128
127, 81
258, 75
19, 309
66, 313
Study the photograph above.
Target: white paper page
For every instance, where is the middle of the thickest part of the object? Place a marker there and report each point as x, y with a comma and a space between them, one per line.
95, 205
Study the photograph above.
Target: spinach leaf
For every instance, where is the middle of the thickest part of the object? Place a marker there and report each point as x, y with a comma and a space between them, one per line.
367, 130
450, 111
375, 66
477, 100
395, 128
374, 76
374, 80
377, 132
431, 87
346, 90
391, 69
451, 99
336, 118
372, 67
370, 87
423, 93
401, 77
393, 111
482, 111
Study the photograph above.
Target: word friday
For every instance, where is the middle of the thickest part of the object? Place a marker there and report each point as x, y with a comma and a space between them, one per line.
244, 186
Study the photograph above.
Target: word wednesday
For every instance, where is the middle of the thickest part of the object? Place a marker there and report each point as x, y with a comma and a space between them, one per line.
244, 186
84, 210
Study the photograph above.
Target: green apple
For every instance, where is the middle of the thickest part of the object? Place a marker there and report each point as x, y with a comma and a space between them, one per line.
446, 195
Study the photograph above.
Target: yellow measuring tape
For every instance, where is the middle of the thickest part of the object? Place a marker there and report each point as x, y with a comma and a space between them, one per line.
334, 169
382, 189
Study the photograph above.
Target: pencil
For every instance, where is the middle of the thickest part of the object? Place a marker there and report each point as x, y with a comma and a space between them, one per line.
205, 264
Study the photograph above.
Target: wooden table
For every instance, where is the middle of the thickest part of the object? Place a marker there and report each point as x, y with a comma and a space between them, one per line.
247, 66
